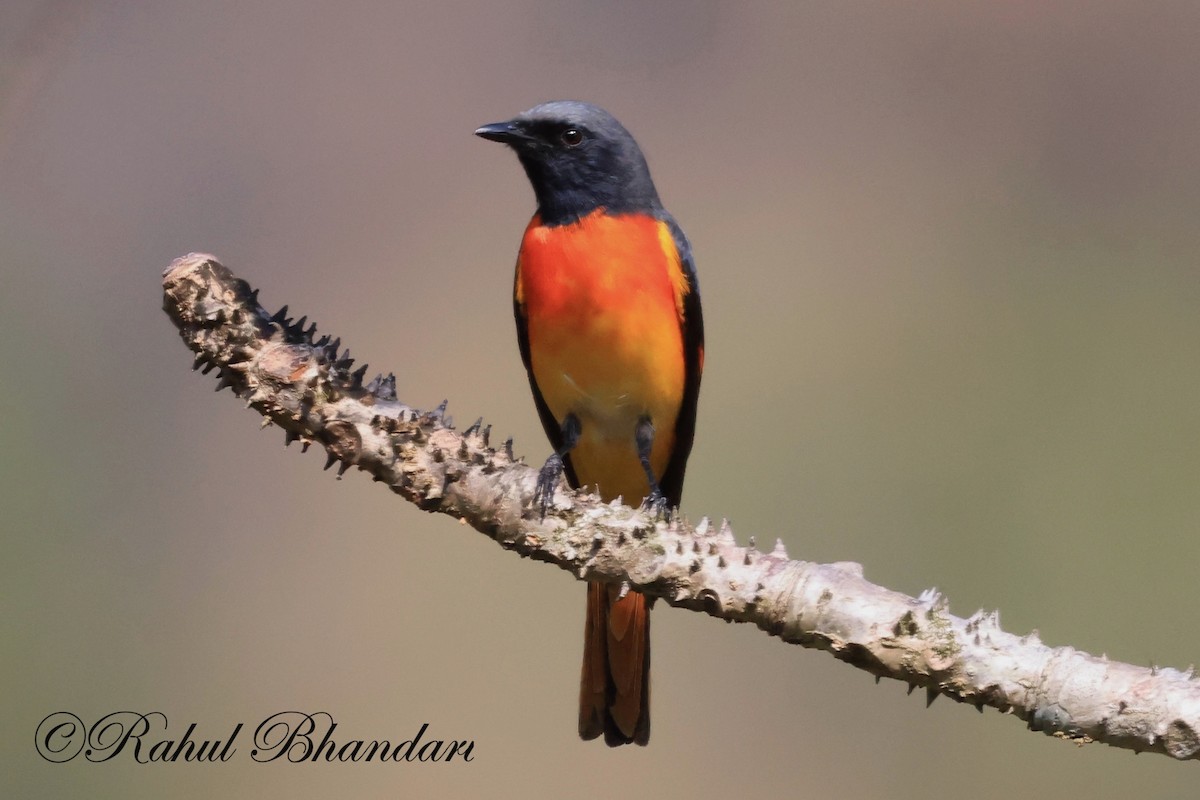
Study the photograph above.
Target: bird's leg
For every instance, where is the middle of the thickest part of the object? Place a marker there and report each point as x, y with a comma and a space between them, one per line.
552, 470
644, 436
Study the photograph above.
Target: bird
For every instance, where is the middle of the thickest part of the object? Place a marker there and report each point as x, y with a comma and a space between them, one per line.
611, 333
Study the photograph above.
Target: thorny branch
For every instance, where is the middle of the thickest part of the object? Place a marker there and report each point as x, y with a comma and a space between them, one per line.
307, 387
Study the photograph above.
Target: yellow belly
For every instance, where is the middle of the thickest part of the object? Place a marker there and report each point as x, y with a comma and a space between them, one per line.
610, 381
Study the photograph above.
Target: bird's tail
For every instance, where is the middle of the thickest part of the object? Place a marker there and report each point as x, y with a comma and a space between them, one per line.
614, 687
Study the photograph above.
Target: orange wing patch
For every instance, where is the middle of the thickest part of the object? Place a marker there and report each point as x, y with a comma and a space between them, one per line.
679, 279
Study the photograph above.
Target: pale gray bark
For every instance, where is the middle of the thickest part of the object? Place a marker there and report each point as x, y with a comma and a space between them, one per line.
307, 388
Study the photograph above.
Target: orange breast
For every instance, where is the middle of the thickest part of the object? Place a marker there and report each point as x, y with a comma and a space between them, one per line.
602, 300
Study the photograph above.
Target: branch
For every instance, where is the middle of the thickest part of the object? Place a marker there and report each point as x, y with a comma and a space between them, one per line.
307, 388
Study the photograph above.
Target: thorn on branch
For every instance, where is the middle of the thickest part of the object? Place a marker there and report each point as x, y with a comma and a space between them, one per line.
387, 388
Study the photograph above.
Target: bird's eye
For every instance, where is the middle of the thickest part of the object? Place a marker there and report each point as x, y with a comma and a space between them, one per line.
572, 137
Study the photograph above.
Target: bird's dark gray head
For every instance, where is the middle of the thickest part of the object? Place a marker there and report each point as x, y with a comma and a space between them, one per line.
578, 158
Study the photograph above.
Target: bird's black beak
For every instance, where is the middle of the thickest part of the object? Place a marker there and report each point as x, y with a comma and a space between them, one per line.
503, 132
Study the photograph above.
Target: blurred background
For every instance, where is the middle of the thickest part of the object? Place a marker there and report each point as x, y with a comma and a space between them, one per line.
949, 257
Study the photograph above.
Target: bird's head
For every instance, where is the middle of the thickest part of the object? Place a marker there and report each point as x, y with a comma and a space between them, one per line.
579, 158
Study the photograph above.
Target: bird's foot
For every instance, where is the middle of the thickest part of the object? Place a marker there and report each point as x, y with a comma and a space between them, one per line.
547, 482
658, 505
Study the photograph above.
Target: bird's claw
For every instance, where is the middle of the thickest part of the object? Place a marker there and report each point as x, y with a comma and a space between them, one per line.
658, 505
547, 482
